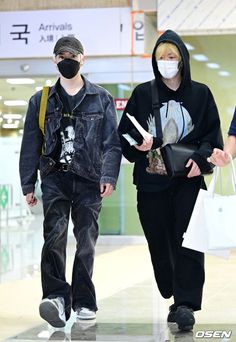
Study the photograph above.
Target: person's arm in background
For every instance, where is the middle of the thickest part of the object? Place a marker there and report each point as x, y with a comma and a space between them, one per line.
223, 157
230, 145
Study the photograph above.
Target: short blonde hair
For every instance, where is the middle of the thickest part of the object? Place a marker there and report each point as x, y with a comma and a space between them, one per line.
167, 47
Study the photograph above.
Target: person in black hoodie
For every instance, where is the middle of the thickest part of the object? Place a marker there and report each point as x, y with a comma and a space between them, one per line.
189, 115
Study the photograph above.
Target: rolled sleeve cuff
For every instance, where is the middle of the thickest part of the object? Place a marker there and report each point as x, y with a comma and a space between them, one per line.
27, 189
109, 180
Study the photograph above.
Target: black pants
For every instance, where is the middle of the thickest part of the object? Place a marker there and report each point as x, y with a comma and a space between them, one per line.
65, 192
164, 217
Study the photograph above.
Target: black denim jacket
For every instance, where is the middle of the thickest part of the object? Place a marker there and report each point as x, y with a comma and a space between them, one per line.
97, 146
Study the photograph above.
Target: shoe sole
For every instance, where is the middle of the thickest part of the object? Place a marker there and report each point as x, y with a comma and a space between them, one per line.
185, 327
82, 318
49, 312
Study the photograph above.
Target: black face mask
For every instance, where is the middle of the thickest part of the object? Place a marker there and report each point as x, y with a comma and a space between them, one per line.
68, 67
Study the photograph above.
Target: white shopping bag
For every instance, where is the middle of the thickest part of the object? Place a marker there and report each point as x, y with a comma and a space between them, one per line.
220, 221
196, 236
220, 218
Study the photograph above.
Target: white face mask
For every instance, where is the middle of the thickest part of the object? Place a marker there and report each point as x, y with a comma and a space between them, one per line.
168, 69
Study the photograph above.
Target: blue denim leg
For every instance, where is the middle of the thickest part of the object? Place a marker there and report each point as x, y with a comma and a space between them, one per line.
62, 192
57, 190
85, 210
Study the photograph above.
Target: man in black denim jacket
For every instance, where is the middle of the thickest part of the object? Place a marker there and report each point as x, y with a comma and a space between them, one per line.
78, 159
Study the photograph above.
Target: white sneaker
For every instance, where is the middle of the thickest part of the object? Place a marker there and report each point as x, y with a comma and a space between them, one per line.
53, 311
85, 313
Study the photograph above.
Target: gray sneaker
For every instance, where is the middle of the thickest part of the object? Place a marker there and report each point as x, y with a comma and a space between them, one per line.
53, 311
85, 313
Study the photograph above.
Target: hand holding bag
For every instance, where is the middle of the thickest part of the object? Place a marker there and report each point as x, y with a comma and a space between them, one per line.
175, 157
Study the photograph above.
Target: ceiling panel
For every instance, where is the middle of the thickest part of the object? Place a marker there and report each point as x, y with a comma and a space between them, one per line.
197, 16
217, 48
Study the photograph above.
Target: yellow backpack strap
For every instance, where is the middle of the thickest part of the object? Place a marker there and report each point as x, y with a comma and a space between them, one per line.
43, 107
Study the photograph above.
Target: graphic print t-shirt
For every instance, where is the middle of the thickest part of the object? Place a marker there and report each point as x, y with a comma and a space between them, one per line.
67, 130
176, 123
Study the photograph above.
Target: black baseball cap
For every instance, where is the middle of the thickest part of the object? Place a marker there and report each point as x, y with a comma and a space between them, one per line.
68, 44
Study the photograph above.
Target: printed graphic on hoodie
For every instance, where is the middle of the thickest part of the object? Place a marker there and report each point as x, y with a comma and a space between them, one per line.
176, 124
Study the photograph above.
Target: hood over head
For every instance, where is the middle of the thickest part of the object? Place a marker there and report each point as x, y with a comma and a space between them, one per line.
172, 37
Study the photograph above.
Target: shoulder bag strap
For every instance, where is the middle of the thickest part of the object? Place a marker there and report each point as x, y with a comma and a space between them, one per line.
156, 109
43, 107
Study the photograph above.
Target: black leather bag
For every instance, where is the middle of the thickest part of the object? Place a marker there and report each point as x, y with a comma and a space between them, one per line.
175, 157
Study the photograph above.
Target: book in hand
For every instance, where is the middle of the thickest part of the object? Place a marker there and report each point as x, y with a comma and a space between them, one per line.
146, 135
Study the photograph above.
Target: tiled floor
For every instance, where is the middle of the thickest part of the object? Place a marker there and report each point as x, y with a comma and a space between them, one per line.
130, 308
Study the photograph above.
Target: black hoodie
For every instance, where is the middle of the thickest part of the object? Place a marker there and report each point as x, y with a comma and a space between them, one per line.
188, 114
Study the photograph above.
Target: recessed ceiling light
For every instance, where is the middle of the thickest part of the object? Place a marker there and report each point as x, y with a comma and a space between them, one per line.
10, 125
20, 80
38, 88
12, 116
213, 65
223, 73
15, 103
200, 58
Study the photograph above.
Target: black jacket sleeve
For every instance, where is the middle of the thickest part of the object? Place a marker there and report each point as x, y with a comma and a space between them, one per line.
126, 126
31, 148
211, 136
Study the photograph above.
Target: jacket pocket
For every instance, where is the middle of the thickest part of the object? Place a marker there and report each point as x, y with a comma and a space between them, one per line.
89, 124
46, 164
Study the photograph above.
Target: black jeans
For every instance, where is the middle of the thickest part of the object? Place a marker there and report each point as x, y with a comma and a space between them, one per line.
65, 192
164, 217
